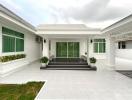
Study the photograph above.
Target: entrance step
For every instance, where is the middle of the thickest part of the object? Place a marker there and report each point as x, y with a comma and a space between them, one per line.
68, 67
68, 63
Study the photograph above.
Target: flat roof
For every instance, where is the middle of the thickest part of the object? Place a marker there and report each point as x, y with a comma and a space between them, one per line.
65, 27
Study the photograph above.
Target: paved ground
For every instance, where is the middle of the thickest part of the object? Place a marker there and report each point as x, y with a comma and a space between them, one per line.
127, 73
76, 84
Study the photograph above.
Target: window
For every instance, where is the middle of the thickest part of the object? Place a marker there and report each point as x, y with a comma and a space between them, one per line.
99, 45
12, 41
122, 45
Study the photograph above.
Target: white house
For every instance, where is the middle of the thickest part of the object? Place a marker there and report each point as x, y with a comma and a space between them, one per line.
61, 41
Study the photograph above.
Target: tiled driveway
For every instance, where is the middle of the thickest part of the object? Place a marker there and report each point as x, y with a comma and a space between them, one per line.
75, 84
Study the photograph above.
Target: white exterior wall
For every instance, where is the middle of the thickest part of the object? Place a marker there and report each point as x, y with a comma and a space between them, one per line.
31, 49
124, 57
83, 45
110, 47
124, 54
46, 47
91, 48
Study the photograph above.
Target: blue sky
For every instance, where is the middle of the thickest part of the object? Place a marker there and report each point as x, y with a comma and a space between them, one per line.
93, 13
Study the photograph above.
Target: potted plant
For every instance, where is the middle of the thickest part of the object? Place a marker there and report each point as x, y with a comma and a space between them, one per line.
92, 61
44, 61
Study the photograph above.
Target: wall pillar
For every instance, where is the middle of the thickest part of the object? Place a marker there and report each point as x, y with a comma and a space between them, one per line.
0, 39
46, 47
88, 50
110, 49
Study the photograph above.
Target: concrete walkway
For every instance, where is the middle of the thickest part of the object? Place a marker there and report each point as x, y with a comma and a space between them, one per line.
75, 84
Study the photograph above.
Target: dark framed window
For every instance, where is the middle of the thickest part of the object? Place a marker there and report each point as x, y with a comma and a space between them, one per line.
122, 45
12, 41
99, 46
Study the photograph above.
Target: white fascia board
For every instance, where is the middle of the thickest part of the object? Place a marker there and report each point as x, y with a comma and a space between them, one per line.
69, 32
16, 22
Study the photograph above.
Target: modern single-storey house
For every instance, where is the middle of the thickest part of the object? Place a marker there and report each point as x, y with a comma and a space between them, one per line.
19, 39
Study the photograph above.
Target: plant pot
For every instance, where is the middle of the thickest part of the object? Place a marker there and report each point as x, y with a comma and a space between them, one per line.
92, 64
43, 64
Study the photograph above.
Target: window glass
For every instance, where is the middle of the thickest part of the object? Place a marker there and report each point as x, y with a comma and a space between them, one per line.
8, 44
99, 45
19, 45
12, 41
122, 45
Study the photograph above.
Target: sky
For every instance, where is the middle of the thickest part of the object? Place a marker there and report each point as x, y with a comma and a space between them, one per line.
93, 13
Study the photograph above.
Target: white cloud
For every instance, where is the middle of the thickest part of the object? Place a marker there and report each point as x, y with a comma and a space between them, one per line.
94, 13
11, 5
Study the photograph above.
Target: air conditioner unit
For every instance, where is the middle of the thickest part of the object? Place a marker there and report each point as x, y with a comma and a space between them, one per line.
38, 39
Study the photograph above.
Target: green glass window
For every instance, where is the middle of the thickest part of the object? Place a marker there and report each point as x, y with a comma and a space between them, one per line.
8, 44
12, 41
19, 45
95, 47
99, 45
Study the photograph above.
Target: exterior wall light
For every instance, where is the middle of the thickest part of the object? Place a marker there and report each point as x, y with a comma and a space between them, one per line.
44, 41
91, 41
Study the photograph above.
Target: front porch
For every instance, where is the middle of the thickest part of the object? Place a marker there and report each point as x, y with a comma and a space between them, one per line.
65, 53
61, 43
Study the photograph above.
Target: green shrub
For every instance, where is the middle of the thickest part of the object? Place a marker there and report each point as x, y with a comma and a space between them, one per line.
92, 60
11, 57
44, 60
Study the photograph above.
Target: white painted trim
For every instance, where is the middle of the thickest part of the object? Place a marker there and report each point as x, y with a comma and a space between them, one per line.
41, 90
16, 22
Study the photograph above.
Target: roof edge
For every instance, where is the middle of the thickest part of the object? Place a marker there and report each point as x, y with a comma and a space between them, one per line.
120, 21
11, 14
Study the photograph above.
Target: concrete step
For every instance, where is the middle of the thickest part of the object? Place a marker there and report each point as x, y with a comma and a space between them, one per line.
68, 67
68, 63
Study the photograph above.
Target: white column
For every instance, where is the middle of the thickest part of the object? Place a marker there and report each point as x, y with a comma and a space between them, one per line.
88, 50
46, 47
0, 39
110, 50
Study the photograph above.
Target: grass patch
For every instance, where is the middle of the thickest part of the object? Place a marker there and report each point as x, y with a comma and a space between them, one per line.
26, 91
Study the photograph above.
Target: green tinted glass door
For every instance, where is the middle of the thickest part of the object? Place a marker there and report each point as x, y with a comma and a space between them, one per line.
73, 49
61, 49
76, 49
67, 49
70, 49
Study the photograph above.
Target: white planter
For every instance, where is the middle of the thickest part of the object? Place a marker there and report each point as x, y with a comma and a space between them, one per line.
92, 64
43, 64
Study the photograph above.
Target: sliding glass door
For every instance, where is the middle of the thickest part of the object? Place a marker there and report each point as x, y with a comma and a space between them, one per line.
67, 49
61, 49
